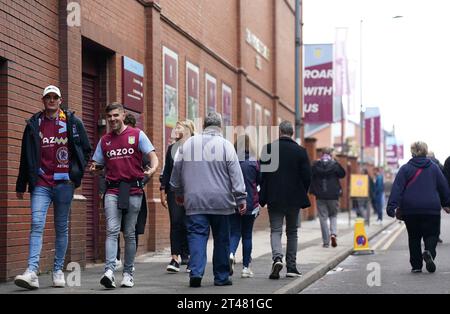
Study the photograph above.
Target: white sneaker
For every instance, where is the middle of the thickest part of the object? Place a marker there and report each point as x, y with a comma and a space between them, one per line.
232, 262
127, 281
118, 265
246, 273
108, 280
58, 279
29, 280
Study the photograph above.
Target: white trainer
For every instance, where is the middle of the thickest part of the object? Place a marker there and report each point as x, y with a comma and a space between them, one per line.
108, 280
29, 280
119, 265
58, 279
232, 262
246, 273
127, 281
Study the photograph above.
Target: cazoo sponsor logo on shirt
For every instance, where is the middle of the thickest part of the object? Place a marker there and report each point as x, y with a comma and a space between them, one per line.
54, 140
120, 152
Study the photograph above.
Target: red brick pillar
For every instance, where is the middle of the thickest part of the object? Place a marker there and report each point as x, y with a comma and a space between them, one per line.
311, 149
70, 48
158, 235
4, 141
344, 200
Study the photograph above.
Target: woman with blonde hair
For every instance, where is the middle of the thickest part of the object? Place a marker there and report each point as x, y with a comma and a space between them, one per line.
418, 193
178, 236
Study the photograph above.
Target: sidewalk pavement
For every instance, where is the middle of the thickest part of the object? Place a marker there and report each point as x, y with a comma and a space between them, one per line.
151, 277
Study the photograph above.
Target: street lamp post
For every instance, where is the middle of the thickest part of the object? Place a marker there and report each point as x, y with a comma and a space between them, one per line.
361, 111
298, 115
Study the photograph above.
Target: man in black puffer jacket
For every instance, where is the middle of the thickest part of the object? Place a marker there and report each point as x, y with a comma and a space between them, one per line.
325, 185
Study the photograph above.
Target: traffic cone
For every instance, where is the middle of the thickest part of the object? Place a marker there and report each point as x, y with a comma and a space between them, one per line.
360, 240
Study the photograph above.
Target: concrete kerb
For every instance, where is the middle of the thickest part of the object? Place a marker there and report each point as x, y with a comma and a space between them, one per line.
319, 271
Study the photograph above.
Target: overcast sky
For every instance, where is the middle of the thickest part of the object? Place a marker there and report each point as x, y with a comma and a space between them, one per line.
405, 61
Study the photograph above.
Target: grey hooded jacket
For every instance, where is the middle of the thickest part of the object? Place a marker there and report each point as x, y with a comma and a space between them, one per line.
206, 172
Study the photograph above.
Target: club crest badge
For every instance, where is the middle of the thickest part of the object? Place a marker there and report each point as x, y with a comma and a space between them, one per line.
62, 155
131, 140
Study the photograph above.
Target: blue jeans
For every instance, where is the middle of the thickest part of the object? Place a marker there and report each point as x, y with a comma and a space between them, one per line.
113, 223
378, 204
242, 226
198, 233
61, 195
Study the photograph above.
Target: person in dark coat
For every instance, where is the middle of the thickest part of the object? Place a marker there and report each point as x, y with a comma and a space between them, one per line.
433, 158
177, 214
286, 177
418, 193
242, 225
55, 150
378, 194
325, 185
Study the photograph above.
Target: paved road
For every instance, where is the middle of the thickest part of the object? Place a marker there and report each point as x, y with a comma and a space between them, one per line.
358, 274
151, 276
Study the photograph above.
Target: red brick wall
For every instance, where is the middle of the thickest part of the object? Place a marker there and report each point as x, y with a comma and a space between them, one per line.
285, 56
29, 41
257, 16
213, 22
3, 167
42, 50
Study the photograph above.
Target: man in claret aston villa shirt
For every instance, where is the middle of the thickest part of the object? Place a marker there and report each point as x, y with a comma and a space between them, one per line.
121, 152
55, 151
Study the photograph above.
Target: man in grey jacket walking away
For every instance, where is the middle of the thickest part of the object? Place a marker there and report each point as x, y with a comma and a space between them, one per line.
208, 180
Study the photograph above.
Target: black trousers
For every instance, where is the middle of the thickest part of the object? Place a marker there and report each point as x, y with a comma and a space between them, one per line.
178, 230
422, 226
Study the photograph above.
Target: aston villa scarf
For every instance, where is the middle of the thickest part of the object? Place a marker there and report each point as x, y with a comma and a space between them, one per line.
61, 169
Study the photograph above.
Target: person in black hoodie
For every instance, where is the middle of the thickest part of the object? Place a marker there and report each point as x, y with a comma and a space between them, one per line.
55, 151
325, 185
418, 193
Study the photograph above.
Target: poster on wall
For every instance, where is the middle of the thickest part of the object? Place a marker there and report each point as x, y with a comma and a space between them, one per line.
193, 91
170, 92
210, 97
227, 105
133, 84
318, 84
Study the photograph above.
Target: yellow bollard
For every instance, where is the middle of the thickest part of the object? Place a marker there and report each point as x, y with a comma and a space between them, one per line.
360, 240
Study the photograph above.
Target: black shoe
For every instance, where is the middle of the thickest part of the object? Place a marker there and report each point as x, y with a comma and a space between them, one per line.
430, 266
333, 240
184, 261
195, 282
416, 270
226, 283
293, 272
277, 266
173, 266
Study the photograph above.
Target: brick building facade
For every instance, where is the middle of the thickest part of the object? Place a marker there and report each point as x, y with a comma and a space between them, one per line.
246, 47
